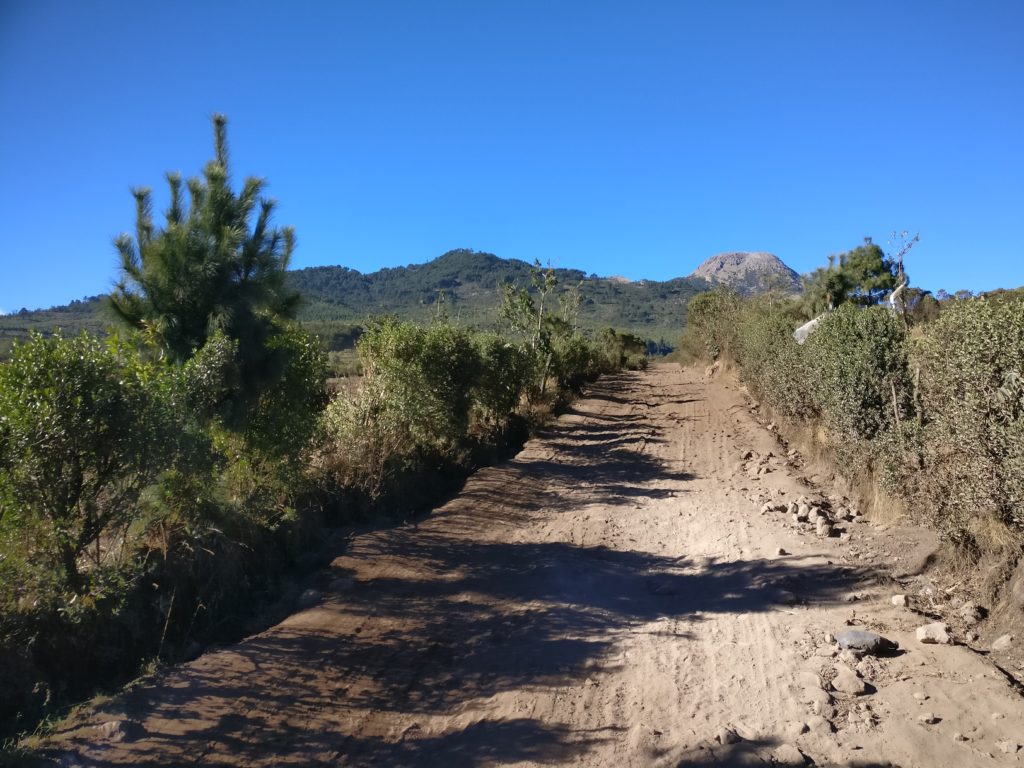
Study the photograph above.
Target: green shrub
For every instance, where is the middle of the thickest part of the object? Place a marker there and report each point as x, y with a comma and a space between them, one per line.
858, 359
710, 324
505, 372
85, 426
970, 362
772, 364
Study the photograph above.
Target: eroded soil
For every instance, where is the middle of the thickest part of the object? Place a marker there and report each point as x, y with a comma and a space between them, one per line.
613, 596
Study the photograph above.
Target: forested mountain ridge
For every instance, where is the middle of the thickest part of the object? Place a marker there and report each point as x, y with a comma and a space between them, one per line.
466, 282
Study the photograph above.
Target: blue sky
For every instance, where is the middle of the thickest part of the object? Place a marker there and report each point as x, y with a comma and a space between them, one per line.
621, 138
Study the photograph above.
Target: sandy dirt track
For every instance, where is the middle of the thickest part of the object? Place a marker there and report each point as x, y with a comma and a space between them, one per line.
610, 597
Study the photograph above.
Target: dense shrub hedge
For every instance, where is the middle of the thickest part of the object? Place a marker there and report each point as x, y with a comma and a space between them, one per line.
934, 414
145, 505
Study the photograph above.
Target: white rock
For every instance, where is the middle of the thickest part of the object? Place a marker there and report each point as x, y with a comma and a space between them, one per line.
928, 718
899, 601
1009, 747
936, 633
1002, 643
112, 730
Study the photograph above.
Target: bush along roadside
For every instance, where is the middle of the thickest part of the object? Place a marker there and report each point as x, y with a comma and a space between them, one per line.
146, 506
931, 413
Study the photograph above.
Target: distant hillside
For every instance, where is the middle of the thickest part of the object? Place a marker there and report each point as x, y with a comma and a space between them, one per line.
749, 273
470, 282
337, 298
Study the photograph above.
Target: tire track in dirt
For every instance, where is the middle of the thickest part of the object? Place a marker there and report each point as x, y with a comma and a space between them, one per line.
610, 597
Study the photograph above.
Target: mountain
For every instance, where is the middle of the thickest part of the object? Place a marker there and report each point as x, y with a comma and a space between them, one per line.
468, 283
748, 273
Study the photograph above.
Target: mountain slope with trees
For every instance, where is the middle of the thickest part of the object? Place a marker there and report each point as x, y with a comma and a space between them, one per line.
464, 284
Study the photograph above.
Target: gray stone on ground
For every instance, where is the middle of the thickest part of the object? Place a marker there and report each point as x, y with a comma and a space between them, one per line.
309, 598
823, 527
1002, 643
928, 718
1010, 747
900, 601
935, 633
867, 642
848, 681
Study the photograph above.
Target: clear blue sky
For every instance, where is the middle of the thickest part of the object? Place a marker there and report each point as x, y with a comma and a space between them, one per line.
631, 138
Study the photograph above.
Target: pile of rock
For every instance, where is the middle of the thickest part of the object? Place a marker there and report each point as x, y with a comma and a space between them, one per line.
813, 514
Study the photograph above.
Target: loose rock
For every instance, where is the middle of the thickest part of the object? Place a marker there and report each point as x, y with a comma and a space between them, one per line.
936, 633
1009, 747
928, 718
112, 730
900, 601
864, 641
848, 681
823, 527
309, 598
1002, 643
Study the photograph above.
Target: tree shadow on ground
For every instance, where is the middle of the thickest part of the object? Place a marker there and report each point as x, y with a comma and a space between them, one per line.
412, 641
449, 626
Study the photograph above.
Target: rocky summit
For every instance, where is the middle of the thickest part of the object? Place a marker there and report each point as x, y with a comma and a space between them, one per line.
749, 272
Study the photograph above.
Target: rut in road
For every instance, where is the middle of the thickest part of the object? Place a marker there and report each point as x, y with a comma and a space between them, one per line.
610, 597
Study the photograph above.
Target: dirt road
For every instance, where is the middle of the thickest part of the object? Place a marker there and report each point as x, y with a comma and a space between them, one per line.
613, 596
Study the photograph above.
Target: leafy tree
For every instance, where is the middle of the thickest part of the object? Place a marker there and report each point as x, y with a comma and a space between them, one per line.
862, 276
211, 268
84, 427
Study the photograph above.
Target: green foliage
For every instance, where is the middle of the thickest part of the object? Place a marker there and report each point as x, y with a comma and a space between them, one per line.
284, 418
935, 417
774, 366
710, 323
84, 427
863, 276
621, 350
211, 268
858, 359
971, 361
506, 369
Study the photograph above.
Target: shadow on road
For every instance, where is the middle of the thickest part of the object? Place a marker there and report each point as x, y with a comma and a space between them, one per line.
434, 620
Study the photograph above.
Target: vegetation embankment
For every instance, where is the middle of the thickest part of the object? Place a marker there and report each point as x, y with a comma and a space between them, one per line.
157, 485
920, 407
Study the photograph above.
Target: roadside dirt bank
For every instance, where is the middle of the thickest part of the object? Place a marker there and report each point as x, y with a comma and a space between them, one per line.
612, 596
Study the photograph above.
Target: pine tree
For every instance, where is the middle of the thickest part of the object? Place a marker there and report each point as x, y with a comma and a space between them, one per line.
207, 270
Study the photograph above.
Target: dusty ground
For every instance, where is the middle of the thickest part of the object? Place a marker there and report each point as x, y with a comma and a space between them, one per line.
613, 596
